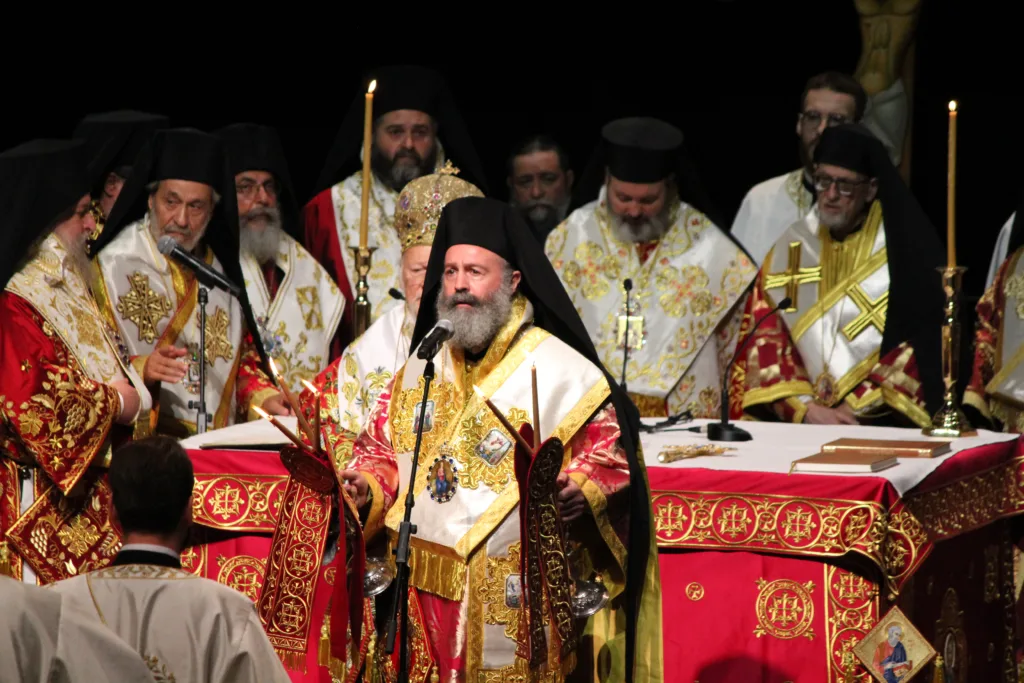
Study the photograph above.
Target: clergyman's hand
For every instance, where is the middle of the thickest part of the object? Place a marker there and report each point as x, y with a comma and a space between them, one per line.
571, 501
356, 487
131, 399
823, 415
162, 366
276, 405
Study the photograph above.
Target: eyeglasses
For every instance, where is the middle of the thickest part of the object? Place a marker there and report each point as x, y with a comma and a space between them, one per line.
248, 188
813, 118
845, 186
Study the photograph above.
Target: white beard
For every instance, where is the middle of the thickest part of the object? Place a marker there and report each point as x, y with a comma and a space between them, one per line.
261, 244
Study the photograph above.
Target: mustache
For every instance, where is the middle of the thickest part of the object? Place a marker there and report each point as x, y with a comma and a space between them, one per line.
410, 154
174, 228
463, 298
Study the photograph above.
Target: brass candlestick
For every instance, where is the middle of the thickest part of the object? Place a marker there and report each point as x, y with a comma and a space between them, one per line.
950, 420
363, 256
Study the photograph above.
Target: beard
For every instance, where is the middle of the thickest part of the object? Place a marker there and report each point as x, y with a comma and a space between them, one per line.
261, 243
643, 229
476, 328
543, 216
406, 166
181, 235
78, 252
843, 222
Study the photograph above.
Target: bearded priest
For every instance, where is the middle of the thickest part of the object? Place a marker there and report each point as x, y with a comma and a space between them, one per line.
176, 189
413, 112
113, 140
686, 277
350, 386
67, 390
295, 301
860, 342
487, 275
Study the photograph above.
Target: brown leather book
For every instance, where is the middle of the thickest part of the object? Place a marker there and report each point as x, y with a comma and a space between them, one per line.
894, 447
846, 462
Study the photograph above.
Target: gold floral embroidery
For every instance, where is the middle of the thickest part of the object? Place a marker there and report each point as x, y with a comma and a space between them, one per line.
472, 432
244, 573
217, 343
690, 284
143, 306
494, 592
309, 302
446, 409
785, 609
1014, 289
593, 276
78, 536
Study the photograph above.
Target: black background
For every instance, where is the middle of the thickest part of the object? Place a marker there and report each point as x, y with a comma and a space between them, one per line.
729, 73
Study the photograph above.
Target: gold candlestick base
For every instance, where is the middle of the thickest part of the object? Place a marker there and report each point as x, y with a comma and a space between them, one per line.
950, 421
363, 257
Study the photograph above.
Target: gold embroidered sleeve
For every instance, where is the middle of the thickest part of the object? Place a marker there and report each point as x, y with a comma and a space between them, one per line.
986, 340
60, 416
598, 466
374, 456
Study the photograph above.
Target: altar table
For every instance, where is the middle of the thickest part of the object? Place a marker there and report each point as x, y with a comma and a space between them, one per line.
769, 577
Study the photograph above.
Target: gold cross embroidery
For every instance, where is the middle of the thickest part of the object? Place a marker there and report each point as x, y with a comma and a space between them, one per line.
872, 312
792, 277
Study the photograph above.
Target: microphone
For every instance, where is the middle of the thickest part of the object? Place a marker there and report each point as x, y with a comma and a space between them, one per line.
441, 333
627, 284
395, 294
723, 431
168, 246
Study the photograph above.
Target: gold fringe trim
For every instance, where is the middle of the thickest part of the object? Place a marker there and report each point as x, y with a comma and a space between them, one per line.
437, 574
293, 661
337, 669
5, 559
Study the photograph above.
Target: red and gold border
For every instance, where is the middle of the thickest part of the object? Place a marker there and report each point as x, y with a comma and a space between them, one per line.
820, 527
238, 502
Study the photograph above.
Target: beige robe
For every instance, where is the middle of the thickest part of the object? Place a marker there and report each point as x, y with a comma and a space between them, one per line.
45, 640
185, 626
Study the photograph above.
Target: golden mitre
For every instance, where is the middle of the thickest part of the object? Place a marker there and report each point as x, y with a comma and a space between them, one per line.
419, 206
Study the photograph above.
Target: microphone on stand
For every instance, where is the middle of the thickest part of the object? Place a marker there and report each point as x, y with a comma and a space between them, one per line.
168, 246
723, 431
441, 333
627, 284
396, 295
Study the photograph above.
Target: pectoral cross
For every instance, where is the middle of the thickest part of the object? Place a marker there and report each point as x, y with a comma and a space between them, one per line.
872, 312
793, 277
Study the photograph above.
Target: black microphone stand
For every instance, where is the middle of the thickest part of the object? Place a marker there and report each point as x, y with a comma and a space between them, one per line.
628, 286
405, 531
202, 419
723, 430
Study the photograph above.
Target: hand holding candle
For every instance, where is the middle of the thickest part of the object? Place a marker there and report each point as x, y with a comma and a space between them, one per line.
504, 421
284, 430
292, 403
316, 412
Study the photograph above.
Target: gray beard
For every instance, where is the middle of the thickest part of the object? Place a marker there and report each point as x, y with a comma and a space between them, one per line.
262, 244
544, 215
651, 229
172, 229
477, 327
79, 255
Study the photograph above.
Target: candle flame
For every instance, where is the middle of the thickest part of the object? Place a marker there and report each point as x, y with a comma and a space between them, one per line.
952, 105
309, 385
476, 390
373, 86
264, 414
